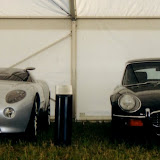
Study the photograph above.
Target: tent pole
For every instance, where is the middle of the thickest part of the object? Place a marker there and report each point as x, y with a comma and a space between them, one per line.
74, 65
73, 9
73, 13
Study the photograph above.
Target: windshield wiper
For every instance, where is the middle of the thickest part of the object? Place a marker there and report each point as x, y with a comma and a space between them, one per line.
148, 82
15, 74
158, 83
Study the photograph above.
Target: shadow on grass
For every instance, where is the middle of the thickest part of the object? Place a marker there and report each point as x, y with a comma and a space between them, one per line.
90, 133
89, 141
87, 134
46, 135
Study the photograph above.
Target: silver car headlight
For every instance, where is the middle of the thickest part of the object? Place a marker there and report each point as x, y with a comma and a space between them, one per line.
15, 96
9, 112
129, 103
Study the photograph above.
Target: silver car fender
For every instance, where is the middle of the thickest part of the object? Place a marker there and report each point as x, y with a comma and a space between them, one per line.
40, 91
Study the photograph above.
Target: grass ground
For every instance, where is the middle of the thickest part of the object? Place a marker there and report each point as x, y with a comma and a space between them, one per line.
90, 141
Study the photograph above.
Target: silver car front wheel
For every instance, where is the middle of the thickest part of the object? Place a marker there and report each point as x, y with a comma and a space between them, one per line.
32, 128
48, 113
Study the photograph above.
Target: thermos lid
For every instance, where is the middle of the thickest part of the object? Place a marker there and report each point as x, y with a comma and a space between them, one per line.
64, 89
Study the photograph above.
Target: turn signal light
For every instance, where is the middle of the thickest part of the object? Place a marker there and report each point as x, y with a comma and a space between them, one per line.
135, 122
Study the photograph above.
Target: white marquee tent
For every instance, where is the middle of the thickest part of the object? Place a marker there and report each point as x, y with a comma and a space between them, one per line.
85, 43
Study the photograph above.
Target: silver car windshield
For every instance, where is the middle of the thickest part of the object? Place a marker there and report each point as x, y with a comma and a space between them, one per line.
17, 76
142, 73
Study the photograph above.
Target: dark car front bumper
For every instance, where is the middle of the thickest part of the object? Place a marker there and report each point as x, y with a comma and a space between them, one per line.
149, 123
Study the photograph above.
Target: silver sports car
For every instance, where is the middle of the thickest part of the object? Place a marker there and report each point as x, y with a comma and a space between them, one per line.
24, 101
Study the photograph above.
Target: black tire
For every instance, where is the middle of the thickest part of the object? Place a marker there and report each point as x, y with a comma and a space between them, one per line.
32, 129
115, 130
48, 115
45, 118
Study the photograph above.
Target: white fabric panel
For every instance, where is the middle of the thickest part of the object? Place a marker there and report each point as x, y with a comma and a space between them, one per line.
34, 8
103, 48
21, 38
118, 8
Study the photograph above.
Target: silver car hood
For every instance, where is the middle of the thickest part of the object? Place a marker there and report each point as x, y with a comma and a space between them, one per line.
7, 86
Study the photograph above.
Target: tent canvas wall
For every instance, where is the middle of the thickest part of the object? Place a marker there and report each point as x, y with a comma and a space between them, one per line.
80, 42
103, 48
22, 38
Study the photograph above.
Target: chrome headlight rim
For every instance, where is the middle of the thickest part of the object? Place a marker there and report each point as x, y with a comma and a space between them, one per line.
7, 115
137, 103
14, 97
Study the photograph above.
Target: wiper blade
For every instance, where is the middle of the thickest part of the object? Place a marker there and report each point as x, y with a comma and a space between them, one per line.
148, 82
158, 83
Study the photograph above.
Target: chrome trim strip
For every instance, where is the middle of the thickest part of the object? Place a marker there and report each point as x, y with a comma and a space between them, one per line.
156, 126
158, 111
155, 112
128, 116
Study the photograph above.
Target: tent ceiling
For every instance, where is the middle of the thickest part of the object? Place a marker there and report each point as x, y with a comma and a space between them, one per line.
34, 8
84, 8
118, 8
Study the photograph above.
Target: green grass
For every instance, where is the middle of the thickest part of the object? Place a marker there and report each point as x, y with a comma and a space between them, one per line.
90, 141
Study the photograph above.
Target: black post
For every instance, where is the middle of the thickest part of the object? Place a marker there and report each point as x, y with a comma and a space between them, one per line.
63, 119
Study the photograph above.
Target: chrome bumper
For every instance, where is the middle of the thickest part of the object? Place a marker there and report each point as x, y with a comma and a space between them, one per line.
150, 119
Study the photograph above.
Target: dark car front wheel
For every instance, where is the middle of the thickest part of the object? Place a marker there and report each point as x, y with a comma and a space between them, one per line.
117, 129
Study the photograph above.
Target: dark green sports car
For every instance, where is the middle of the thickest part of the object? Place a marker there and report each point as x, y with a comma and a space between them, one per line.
136, 102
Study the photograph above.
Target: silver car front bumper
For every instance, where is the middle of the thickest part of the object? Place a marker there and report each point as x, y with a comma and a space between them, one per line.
19, 122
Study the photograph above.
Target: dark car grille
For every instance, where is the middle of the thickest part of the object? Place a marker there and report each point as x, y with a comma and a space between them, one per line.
156, 119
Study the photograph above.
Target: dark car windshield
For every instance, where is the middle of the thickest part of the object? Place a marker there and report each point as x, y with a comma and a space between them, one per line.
17, 76
138, 73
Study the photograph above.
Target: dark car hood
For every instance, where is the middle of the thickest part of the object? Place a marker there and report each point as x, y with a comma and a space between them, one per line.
144, 87
149, 94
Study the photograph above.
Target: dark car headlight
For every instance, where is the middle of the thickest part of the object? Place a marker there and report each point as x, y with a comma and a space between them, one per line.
129, 103
15, 96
